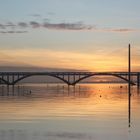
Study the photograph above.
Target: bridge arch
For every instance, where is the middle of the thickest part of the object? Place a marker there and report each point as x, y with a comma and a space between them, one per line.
29, 75
5, 82
62, 78
105, 74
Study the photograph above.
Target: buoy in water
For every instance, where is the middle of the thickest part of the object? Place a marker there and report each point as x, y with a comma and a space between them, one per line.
121, 86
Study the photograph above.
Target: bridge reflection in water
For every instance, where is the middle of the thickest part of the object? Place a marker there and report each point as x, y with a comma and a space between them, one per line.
70, 78
46, 89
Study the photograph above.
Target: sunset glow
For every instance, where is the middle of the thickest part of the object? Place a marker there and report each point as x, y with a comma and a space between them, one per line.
90, 36
71, 60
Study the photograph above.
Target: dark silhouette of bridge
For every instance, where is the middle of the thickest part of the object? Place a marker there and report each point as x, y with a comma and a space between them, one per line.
70, 78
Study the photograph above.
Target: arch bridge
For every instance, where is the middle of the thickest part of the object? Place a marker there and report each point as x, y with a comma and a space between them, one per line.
70, 78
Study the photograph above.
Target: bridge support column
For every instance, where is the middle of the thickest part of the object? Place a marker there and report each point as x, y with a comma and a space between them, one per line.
1, 77
13, 79
8, 78
68, 78
138, 79
74, 78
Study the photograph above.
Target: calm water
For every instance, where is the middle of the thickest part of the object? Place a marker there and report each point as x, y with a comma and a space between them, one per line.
59, 112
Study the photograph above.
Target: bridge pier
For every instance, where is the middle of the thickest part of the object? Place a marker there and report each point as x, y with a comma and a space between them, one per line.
8, 78
138, 79
68, 79
74, 78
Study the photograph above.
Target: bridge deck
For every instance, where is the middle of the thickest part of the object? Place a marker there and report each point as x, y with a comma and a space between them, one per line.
66, 73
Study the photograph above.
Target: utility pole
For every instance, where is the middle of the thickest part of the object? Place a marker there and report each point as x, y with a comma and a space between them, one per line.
129, 85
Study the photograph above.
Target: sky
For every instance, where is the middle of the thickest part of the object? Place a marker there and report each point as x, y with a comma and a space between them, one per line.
88, 35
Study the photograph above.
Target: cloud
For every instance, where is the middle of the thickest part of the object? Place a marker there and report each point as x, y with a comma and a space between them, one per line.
35, 24
10, 24
2, 26
2, 32
7, 25
13, 32
67, 26
22, 24
121, 30
11, 27
21, 32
